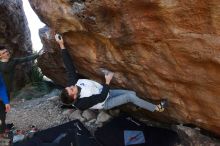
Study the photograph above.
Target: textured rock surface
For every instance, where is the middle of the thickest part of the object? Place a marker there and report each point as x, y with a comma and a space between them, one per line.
14, 32
169, 48
193, 137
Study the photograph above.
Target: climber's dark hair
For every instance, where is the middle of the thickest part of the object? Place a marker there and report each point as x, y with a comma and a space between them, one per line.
2, 47
65, 98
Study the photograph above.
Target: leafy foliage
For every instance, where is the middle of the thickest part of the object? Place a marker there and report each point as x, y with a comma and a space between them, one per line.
36, 86
36, 75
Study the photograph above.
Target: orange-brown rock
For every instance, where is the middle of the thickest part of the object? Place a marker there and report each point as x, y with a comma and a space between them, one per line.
159, 48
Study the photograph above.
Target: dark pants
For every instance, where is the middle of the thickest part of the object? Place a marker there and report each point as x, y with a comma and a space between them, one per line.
2, 117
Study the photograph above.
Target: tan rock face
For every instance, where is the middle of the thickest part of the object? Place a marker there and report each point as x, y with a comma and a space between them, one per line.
158, 48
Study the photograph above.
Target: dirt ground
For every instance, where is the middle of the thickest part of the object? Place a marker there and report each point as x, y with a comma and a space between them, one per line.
45, 112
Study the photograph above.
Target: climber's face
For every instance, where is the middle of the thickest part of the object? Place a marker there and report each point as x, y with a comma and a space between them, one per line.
72, 91
4, 54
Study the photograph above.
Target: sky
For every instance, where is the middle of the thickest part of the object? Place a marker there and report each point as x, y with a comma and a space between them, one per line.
34, 25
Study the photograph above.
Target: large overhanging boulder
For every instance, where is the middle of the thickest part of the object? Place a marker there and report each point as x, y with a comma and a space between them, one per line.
15, 34
157, 48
